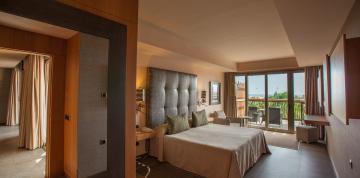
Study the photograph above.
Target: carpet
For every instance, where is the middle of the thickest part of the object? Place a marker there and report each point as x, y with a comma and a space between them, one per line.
283, 140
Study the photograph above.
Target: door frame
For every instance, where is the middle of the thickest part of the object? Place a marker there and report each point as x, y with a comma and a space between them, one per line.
59, 14
290, 87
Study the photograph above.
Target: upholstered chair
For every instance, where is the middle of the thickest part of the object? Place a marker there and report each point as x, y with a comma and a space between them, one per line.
220, 118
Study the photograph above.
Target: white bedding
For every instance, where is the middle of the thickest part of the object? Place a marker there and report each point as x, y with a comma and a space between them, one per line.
215, 151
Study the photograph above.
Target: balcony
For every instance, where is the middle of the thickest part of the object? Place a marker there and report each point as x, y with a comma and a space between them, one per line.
282, 104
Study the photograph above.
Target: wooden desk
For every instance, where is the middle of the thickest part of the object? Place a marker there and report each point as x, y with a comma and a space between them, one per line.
318, 121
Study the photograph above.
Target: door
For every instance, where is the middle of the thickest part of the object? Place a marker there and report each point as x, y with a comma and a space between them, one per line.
278, 101
256, 100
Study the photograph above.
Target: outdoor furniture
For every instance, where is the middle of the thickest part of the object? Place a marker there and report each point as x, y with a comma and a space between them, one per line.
253, 112
275, 116
221, 118
306, 133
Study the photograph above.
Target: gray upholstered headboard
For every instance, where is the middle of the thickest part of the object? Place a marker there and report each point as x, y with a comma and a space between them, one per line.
169, 93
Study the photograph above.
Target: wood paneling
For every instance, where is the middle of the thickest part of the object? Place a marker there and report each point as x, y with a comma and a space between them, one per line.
267, 65
124, 12
27, 41
118, 10
71, 106
352, 66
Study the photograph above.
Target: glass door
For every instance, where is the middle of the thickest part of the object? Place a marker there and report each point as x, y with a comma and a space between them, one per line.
299, 98
256, 100
277, 101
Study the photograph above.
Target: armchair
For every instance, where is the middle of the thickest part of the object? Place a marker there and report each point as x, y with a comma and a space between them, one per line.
220, 118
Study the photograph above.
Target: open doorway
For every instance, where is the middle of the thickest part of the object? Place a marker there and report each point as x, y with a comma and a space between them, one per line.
74, 58
25, 79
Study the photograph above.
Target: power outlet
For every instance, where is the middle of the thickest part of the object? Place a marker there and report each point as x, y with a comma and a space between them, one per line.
350, 163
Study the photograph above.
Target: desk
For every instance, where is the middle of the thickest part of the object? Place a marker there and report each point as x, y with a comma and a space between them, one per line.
318, 121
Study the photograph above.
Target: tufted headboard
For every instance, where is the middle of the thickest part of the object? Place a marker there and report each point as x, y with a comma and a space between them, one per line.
169, 93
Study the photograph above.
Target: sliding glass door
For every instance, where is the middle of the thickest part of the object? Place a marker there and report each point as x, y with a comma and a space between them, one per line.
256, 100
299, 98
277, 102
273, 100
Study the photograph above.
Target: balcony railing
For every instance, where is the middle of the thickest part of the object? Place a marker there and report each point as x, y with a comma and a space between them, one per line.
280, 103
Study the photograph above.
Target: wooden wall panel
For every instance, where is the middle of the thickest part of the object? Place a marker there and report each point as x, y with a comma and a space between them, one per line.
118, 10
124, 12
71, 106
27, 41
267, 65
352, 65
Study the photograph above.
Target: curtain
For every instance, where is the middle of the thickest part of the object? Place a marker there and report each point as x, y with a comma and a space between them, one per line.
13, 110
313, 91
33, 109
229, 95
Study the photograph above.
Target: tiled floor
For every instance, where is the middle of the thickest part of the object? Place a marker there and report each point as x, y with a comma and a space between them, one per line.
19, 163
310, 161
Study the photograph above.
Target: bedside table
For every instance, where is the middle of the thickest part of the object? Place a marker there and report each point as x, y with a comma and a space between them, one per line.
140, 135
143, 136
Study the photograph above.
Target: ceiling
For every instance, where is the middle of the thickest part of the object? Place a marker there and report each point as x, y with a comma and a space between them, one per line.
35, 26
10, 58
231, 31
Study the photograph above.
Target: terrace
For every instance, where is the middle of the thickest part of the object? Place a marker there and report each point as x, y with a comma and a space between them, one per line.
282, 104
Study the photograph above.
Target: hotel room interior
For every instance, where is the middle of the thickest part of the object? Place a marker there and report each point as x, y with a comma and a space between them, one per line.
179, 89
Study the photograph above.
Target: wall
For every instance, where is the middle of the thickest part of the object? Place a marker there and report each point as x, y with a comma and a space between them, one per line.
125, 12
92, 116
151, 56
344, 140
5, 77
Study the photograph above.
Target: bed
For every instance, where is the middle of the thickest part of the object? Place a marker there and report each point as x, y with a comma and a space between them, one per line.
212, 151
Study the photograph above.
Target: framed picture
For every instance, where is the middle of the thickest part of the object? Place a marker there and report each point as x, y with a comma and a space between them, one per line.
214, 93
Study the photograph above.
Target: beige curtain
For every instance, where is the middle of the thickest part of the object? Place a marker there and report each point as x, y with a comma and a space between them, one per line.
13, 110
229, 95
313, 91
33, 105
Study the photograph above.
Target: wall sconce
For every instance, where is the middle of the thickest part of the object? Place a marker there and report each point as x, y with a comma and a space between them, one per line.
203, 96
202, 100
140, 95
140, 99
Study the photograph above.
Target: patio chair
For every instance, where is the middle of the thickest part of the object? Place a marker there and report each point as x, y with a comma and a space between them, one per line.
275, 116
253, 112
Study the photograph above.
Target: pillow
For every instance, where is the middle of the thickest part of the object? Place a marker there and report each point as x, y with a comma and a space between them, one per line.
177, 124
199, 118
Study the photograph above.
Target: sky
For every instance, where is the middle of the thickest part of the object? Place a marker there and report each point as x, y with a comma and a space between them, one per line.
276, 82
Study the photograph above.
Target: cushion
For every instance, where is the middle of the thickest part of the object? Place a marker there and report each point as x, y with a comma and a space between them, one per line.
220, 114
199, 118
177, 124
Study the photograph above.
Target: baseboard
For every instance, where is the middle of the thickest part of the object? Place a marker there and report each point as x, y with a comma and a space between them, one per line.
333, 165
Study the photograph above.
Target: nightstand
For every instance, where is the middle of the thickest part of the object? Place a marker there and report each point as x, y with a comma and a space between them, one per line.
140, 135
